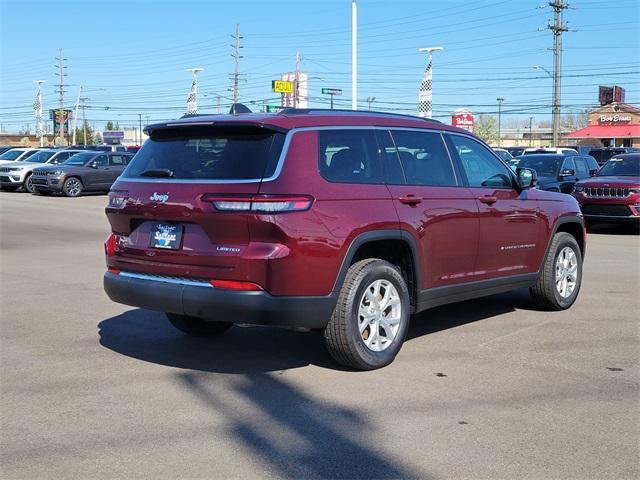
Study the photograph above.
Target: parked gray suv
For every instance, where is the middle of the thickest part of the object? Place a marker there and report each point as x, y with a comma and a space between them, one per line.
86, 171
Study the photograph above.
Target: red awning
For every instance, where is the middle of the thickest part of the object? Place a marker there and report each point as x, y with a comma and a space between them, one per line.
606, 131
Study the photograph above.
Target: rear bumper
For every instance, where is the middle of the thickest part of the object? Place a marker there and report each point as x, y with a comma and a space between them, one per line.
198, 299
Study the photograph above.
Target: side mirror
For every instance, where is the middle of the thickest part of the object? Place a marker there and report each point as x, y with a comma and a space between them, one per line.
527, 178
93, 164
567, 172
592, 172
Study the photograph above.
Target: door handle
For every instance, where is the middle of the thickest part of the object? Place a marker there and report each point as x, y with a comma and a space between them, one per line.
410, 200
488, 199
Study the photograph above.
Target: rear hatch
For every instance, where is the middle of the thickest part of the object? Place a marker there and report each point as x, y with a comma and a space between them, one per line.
178, 207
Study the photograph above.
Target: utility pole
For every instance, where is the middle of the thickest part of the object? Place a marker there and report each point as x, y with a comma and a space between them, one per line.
296, 82
530, 131
140, 124
84, 119
558, 28
354, 55
236, 69
61, 91
500, 100
370, 100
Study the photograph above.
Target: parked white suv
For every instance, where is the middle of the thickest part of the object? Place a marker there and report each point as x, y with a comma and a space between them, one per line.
17, 154
14, 175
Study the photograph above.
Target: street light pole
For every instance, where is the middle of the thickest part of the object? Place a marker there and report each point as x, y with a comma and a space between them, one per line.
192, 99
500, 100
354, 56
425, 95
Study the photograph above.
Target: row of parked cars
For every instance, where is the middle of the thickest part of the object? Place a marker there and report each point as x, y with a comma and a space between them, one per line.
69, 171
606, 182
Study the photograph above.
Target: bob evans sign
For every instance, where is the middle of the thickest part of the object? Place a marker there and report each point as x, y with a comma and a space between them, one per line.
617, 118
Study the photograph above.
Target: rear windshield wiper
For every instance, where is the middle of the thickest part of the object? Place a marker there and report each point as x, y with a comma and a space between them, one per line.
158, 173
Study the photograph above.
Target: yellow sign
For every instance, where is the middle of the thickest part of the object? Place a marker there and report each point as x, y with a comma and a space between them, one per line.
282, 86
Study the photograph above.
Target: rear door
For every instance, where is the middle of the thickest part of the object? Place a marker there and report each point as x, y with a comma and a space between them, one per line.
97, 178
117, 163
510, 231
433, 205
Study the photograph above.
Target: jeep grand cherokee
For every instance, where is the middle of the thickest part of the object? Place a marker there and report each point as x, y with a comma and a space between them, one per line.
347, 222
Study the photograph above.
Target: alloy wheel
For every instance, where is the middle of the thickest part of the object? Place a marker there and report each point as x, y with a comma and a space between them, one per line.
566, 272
379, 315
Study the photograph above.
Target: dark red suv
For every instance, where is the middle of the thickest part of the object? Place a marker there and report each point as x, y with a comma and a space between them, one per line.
613, 194
347, 222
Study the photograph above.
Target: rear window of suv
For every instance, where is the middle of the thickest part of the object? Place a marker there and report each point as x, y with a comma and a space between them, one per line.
206, 153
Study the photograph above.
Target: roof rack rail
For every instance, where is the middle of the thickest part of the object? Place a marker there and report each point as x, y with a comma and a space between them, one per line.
302, 111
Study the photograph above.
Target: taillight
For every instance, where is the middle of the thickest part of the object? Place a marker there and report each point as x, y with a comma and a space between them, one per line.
260, 203
117, 198
111, 245
236, 285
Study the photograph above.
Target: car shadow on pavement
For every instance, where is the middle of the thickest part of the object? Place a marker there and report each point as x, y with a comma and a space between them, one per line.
293, 433
458, 314
148, 336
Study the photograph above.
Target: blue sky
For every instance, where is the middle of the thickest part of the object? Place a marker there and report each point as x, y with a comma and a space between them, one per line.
131, 56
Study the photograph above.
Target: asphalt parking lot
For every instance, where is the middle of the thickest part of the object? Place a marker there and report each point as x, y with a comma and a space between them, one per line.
489, 388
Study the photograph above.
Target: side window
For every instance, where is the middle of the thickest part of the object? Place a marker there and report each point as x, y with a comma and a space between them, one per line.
390, 161
117, 160
591, 162
581, 166
482, 168
568, 164
101, 161
349, 156
61, 157
424, 158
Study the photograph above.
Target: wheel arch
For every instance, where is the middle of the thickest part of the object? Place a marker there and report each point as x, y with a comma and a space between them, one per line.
574, 226
395, 246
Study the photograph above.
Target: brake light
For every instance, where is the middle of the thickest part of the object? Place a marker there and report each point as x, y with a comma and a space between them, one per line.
117, 198
260, 203
236, 285
115, 271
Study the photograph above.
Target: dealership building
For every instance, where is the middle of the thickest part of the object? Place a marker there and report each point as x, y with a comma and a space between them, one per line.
612, 125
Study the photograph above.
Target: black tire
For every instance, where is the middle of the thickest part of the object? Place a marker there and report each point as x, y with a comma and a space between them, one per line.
197, 327
342, 336
8, 189
27, 185
72, 187
544, 293
44, 193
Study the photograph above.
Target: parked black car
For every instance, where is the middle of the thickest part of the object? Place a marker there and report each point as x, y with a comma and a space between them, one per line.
602, 155
86, 171
559, 173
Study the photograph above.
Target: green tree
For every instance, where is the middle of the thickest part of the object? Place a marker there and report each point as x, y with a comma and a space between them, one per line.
486, 127
80, 140
109, 126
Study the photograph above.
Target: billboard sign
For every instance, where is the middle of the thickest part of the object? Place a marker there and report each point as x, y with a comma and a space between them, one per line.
331, 91
463, 119
607, 95
282, 86
58, 116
